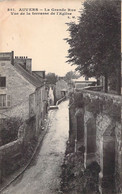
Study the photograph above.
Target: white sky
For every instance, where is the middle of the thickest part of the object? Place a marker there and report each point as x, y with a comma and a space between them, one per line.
38, 37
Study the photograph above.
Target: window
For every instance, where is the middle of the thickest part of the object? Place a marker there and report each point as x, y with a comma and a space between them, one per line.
5, 100
2, 100
2, 81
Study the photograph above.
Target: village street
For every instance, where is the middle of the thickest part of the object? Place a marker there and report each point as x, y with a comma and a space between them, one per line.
43, 176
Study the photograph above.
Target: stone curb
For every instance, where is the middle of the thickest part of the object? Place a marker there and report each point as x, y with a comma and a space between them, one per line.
27, 165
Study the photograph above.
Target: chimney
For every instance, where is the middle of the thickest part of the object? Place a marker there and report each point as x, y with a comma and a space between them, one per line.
12, 57
28, 64
43, 74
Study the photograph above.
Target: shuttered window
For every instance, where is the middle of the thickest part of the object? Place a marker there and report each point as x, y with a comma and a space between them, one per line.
5, 100
8, 100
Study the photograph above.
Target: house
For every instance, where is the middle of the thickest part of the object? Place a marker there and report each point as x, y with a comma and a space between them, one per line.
51, 93
61, 89
17, 83
50, 97
83, 82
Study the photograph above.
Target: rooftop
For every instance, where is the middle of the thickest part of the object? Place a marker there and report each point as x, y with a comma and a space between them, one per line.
28, 76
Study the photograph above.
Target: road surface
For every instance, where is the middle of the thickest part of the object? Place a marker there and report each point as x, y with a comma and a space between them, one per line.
43, 176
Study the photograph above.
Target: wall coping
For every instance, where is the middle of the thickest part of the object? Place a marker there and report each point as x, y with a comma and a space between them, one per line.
102, 94
11, 144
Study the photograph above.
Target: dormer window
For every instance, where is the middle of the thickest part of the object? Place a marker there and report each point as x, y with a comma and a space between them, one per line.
2, 82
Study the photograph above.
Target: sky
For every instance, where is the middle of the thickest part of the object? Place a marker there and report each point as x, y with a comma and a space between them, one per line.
39, 37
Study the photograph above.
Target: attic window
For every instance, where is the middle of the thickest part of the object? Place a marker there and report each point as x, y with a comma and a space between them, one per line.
2, 81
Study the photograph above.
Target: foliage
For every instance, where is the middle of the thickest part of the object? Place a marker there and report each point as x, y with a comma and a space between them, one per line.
71, 75
76, 179
51, 78
9, 129
95, 41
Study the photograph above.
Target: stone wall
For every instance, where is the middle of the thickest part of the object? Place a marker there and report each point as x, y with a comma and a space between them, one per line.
12, 155
98, 116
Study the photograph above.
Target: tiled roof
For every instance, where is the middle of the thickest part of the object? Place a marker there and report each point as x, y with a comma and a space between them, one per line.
28, 76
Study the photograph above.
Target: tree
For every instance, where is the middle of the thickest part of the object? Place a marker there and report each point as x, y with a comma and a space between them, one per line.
71, 75
95, 41
51, 78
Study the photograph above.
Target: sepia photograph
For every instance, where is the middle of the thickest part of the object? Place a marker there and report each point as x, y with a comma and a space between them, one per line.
60, 97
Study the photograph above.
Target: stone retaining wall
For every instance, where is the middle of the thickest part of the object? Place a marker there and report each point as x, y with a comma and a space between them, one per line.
100, 124
11, 154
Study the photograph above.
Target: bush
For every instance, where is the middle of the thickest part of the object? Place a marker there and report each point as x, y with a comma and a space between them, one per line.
9, 129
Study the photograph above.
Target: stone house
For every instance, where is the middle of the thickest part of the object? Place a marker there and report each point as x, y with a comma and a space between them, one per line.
52, 88
17, 83
61, 89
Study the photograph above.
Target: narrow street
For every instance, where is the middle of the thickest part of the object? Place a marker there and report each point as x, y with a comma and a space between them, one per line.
43, 177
